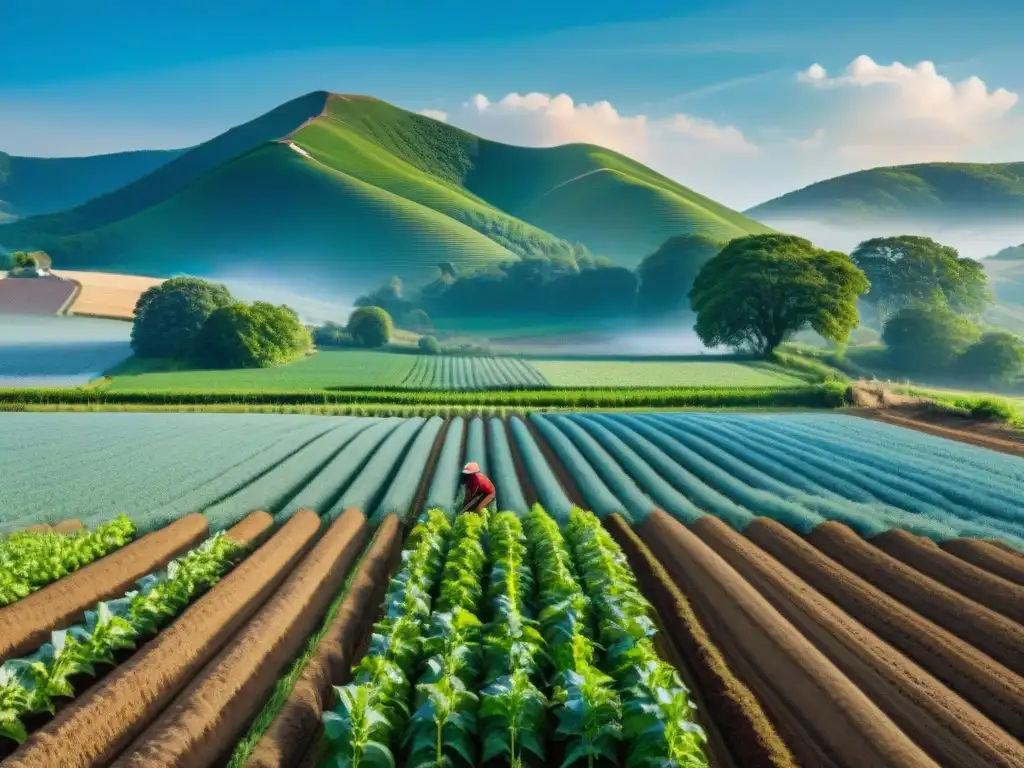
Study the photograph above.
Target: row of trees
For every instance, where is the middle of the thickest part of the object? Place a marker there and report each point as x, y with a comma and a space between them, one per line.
191, 319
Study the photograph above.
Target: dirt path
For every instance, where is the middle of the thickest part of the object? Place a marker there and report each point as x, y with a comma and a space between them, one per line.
961, 430
823, 716
992, 688
940, 722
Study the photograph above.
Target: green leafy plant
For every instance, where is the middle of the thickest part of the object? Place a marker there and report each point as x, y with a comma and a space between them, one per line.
34, 683
31, 560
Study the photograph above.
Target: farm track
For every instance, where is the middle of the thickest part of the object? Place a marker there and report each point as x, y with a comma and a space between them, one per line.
994, 559
824, 718
296, 725
992, 688
27, 623
99, 724
988, 631
205, 720
733, 709
969, 580
936, 719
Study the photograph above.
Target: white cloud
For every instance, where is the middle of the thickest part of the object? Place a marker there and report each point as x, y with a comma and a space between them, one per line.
435, 114
896, 113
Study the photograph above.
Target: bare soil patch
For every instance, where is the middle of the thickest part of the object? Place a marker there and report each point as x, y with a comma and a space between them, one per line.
105, 294
251, 531
994, 559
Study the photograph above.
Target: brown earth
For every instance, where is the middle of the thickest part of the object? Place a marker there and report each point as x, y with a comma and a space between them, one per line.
74, 525
949, 425
733, 709
996, 560
26, 624
940, 722
252, 529
992, 688
969, 580
207, 718
289, 735
105, 294
986, 630
98, 725
824, 718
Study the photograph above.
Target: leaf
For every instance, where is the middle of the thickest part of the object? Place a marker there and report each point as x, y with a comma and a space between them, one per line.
377, 755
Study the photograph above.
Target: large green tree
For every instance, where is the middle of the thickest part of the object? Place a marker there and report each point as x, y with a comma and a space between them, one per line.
370, 327
761, 289
926, 338
169, 316
998, 355
254, 335
667, 275
909, 270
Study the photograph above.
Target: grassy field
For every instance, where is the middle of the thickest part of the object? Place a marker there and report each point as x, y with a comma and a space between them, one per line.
623, 373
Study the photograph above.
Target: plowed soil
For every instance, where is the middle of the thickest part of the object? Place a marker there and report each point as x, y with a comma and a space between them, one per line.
996, 560
751, 739
950, 426
26, 624
940, 722
207, 718
100, 724
986, 630
992, 688
251, 531
73, 525
969, 580
825, 719
291, 732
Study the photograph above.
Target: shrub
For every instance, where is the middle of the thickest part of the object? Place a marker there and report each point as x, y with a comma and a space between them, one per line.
254, 335
370, 327
997, 355
331, 335
927, 338
429, 345
989, 409
169, 316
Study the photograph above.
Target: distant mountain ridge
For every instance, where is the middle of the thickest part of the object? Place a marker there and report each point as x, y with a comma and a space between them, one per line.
947, 193
350, 187
35, 185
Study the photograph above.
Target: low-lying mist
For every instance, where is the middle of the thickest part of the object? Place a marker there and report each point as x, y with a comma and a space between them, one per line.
314, 304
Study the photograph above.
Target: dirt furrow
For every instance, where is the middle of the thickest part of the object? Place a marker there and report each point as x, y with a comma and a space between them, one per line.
295, 726
752, 740
93, 729
988, 631
944, 725
26, 624
252, 530
832, 722
996, 691
972, 582
206, 719
1008, 564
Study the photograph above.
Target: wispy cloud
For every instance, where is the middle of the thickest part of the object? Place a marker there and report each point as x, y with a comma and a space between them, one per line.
719, 87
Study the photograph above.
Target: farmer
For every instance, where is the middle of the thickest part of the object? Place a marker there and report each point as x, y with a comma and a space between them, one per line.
477, 488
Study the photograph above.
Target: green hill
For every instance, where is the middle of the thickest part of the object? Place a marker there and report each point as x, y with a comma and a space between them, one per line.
34, 185
353, 188
941, 193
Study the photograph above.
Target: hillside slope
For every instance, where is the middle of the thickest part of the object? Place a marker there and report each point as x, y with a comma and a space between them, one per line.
353, 188
944, 193
35, 185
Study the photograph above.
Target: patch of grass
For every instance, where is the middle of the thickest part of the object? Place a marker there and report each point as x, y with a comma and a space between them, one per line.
669, 373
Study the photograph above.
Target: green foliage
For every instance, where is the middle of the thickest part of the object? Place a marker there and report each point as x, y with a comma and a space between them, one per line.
30, 560
32, 684
991, 409
925, 338
370, 327
998, 355
23, 260
761, 289
1011, 253
429, 345
667, 275
255, 335
169, 316
908, 270
331, 335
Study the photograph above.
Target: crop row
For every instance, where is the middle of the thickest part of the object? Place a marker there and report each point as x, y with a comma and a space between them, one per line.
454, 373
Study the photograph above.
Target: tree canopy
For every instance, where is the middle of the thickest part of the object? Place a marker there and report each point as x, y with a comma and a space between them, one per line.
666, 276
761, 289
370, 327
254, 335
998, 355
909, 270
169, 316
927, 337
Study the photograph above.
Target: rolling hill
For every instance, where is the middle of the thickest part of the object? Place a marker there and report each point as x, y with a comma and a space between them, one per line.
350, 187
943, 193
35, 185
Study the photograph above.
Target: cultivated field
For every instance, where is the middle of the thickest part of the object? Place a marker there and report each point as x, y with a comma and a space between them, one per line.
473, 373
105, 294
654, 373
34, 296
59, 351
765, 557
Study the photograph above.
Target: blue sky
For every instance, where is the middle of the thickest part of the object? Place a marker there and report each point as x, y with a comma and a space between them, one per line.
80, 78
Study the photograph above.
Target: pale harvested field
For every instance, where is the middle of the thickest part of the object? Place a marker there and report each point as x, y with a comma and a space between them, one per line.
106, 294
